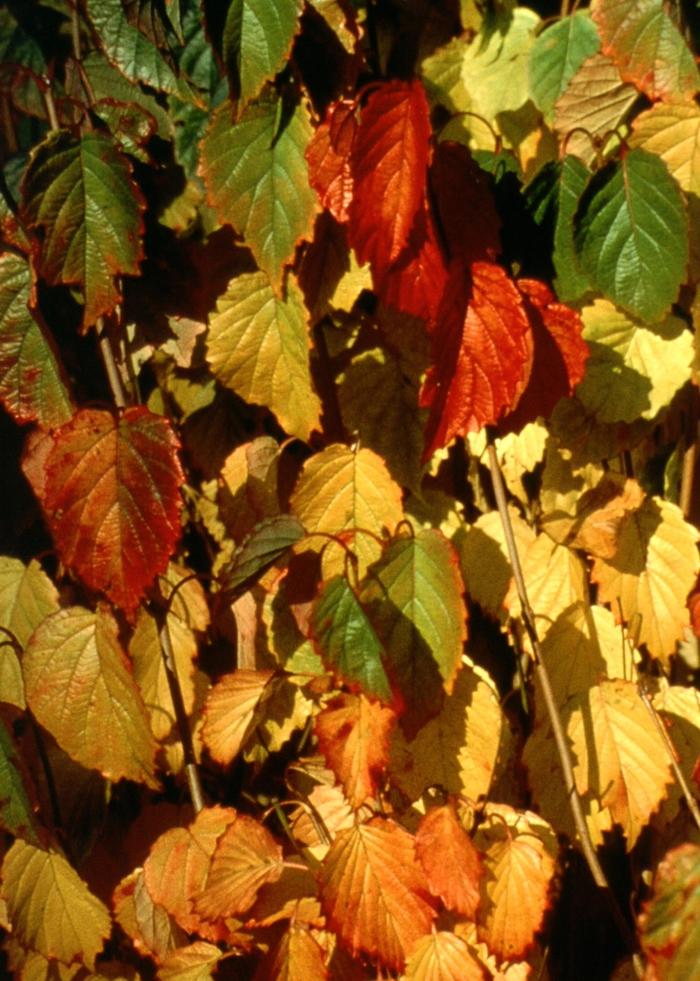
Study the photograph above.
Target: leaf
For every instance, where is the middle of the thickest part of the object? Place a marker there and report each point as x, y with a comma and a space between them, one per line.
679, 711
413, 596
135, 55
245, 858
570, 283
519, 851
348, 493
594, 104
27, 597
631, 234
258, 346
109, 83
328, 157
671, 130
257, 180
194, 962
651, 575
112, 499
177, 867
297, 957
669, 924
82, 197
451, 863
256, 43
16, 813
32, 383
347, 640
151, 928
50, 907
482, 355
80, 688
231, 710
556, 55
442, 956
353, 737
647, 47
267, 542
459, 750
373, 892
389, 165
634, 371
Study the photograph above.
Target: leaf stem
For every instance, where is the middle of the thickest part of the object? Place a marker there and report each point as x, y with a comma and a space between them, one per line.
542, 676
113, 376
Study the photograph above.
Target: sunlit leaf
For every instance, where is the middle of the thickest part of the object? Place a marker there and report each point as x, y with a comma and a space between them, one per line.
647, 46
389, 164
151, 928
194, 962
256, 42
231, 711
245, 858
257, 179
79, 686
557, 54
258, 345
442, 956
671, 130
374, 893
485, 561
451, 863
353, 736
651, 574
81, 194
16, 813
670, 921
678, 709
328, 157
27, 597
50, 907
632, 234
32, 385
519, 851
413, 595
112, 498
348, 493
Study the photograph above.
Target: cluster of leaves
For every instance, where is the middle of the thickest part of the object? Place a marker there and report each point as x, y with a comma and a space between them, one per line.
277, 280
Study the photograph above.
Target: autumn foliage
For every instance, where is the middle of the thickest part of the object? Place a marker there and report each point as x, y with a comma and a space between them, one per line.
288, 291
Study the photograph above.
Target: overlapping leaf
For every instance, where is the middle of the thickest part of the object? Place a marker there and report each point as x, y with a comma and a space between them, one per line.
79, 686
297, 957
443, 956
670, 921
27, 596
231, 709
557, 54
256, 42
32, 384
257, 179
193, 962
111, 494
16, 813
328, 157
258, 345
81, 195
152, 929
374, 893
451, 863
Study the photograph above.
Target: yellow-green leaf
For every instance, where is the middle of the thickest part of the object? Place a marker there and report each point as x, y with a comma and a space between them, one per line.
27, 597
484, 559
442, 956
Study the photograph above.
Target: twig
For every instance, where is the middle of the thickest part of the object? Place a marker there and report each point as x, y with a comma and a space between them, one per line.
542, 676
690, 459
113, 376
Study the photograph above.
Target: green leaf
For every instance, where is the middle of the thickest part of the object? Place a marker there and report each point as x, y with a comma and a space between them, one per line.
258, 346
413, 596
257, 179
18, 48
197, 59
557, 55
81, 194
633, 371
32, 385
256, 43
267, 542
131, 51
570, 282
108, 83
16, 814
631, 234
346, 639
670, 922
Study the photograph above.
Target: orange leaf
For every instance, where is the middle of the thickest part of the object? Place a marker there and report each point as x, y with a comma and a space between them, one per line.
297, 957
112, 499
374, 892
451, 863
328, 157
153, 931
353, 735
231, 709
443, 956
178, 864
246, 857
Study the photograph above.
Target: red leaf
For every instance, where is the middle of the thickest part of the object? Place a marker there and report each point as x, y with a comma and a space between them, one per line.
465, 204
483, 350
694, 607
414, 284
560, 354
328, 157
112, 499
450, 860
389, 163
353, 736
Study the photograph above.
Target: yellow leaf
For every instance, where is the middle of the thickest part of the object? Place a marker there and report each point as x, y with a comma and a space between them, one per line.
519, 453
679, 708
519, 850
287, 710
195, 962
231, 710
50, 907
671, 130
27, 596
461, 749
484, 559
651, 574
347, 492
555, 578
442, 956
297, 957
248, 486
80, 687
11, 681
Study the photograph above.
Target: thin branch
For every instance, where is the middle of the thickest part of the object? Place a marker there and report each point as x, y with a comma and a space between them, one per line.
113, 376
542, 676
